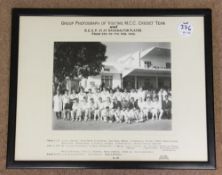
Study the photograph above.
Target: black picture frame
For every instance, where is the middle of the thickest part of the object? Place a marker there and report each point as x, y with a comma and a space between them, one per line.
16, 13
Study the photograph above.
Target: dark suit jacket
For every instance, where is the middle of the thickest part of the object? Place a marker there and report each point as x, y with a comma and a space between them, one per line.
167, 105
117, 105
132, 105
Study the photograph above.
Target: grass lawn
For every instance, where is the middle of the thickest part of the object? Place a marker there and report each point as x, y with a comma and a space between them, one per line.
60, 124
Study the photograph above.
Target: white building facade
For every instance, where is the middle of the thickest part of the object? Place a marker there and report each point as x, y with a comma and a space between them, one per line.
147, 69
110, 77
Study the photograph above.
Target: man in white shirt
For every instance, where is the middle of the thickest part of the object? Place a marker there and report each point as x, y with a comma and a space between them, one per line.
161, 94
76, 110
99, 109
147, 107
118, 95
81, 95
84, 107
104, 94
57, 104
66, 105
141, 114
92, 106
141, 93
107, 111
156, 109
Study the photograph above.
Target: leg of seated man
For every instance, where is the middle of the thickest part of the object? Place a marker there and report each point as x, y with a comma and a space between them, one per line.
160, 114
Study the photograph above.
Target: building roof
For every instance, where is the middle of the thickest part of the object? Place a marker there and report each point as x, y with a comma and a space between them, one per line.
130, 62
153, 51
156, 52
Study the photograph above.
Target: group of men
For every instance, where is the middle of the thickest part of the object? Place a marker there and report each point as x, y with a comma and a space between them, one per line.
113, 105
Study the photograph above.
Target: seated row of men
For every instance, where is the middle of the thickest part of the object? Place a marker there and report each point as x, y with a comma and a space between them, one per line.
111, 109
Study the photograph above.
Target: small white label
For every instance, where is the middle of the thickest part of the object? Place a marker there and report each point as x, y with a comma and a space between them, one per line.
185, 29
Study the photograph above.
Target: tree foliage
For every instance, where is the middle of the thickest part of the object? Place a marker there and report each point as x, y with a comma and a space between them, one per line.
78, 59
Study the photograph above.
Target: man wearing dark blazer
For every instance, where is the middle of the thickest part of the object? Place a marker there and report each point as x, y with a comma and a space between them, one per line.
167, 105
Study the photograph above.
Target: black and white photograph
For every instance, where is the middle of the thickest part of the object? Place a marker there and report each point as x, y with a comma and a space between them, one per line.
112, 86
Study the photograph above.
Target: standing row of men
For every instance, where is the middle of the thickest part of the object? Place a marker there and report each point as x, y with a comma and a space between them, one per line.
113, 106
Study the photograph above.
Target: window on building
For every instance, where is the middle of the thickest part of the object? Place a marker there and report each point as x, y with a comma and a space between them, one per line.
106, 69
148, 64
107, 81
168, 65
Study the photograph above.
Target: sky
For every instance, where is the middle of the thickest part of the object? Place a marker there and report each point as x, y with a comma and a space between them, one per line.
115, 50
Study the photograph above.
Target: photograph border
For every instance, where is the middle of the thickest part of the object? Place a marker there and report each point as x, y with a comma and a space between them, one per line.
205, 13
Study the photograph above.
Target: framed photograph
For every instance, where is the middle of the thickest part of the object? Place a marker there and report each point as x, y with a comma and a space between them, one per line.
111, 88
